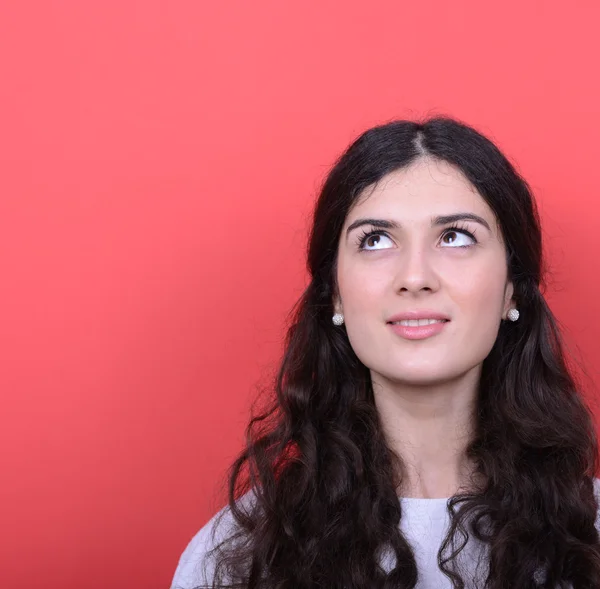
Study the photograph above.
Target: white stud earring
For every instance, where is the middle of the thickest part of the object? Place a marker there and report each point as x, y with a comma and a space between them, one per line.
338, 319
513, 314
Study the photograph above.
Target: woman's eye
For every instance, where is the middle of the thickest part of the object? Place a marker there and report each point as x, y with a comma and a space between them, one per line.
453, 237
461, 233
374, 241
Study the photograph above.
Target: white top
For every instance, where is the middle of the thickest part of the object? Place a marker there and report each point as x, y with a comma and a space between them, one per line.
424, 523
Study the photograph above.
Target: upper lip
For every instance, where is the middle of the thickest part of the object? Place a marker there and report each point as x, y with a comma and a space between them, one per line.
418, 314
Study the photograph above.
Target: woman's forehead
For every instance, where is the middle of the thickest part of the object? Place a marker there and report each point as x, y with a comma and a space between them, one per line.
424, 189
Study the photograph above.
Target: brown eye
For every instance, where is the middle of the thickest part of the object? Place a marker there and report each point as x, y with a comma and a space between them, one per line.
374, 240
456, 234
450, 233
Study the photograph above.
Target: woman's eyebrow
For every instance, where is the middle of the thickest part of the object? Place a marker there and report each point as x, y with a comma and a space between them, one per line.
439, 220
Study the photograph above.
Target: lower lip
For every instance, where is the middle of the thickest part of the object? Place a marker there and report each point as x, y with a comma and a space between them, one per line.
417, 331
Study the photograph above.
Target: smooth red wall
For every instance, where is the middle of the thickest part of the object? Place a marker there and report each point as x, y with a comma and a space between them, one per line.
159, 161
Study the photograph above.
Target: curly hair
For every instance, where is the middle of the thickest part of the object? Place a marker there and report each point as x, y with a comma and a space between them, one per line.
322, 479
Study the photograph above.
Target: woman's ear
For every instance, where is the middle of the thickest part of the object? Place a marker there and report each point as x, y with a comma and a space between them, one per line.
509, 301
337, 304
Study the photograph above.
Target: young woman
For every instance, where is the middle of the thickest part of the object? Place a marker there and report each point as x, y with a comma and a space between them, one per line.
425, 430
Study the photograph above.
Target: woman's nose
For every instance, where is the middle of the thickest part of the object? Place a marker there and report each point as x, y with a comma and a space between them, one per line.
414, 271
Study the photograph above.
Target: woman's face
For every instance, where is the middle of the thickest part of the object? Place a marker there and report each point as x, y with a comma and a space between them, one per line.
417, 264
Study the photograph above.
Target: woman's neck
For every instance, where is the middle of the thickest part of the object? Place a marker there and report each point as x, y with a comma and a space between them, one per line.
429, 428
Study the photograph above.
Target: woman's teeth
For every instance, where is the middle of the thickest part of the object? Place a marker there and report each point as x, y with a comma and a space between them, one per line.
416, 322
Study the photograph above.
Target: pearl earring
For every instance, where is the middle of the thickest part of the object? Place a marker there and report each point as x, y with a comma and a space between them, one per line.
338, 319
513, 314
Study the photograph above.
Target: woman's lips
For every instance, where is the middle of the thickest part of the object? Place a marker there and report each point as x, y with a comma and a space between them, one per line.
418, 331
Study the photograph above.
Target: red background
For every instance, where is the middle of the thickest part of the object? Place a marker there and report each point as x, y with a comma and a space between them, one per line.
159, 160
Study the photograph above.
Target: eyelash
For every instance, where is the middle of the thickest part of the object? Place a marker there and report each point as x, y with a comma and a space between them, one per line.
366, 234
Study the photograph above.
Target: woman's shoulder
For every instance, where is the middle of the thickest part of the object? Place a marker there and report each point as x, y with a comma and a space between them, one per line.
195, 567
597, 494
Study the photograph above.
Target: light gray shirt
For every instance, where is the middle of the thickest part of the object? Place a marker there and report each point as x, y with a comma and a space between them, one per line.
424, 523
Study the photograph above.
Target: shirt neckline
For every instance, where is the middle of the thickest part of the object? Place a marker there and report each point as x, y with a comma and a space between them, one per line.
425, 499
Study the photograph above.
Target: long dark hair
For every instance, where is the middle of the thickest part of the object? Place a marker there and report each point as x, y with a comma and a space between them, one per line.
322, 479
